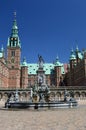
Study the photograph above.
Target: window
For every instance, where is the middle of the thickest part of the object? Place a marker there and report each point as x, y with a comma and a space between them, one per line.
13, 53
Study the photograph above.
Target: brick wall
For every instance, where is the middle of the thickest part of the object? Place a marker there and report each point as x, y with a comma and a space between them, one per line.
4, 74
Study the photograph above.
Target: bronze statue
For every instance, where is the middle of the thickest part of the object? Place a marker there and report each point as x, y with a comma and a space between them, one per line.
40, 61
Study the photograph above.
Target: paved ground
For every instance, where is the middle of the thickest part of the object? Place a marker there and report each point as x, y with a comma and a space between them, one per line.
60, 119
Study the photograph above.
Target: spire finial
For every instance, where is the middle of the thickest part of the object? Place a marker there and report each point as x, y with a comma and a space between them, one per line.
72, 51
14, 14
57, 58
24, 59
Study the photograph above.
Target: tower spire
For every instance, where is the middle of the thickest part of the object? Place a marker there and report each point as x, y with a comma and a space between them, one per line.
14, 41
57, 62
14, 27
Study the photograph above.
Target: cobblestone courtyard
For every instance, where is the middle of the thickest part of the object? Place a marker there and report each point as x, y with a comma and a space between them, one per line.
59, 119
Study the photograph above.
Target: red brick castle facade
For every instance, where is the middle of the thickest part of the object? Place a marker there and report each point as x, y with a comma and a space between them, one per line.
13, 74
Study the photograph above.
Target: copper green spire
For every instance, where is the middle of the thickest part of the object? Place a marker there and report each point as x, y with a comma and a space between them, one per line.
72, 55
14, 41
57, 62
77, 49
24, 63
14, 27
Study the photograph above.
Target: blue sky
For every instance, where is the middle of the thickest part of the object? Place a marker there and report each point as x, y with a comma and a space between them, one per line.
46, 27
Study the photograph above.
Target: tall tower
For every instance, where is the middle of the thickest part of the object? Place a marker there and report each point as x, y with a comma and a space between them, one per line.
72, 60
24, 74
13, 56
57, 69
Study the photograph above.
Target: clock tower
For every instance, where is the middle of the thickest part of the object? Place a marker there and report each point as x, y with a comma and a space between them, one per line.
13, 56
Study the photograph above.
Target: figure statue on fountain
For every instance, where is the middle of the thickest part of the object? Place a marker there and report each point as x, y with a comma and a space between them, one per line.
40, 61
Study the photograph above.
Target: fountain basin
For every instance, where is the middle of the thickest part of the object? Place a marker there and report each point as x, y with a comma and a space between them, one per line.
38, 105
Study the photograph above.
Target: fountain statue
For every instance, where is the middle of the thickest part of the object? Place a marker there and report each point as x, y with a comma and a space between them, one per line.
40, 61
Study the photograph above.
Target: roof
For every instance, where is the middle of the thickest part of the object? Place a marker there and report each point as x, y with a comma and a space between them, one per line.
80, 55
32, 68
48, 68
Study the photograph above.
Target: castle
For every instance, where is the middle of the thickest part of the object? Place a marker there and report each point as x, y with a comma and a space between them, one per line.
14, 74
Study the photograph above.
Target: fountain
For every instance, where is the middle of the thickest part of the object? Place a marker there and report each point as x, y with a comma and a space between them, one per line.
40, 95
